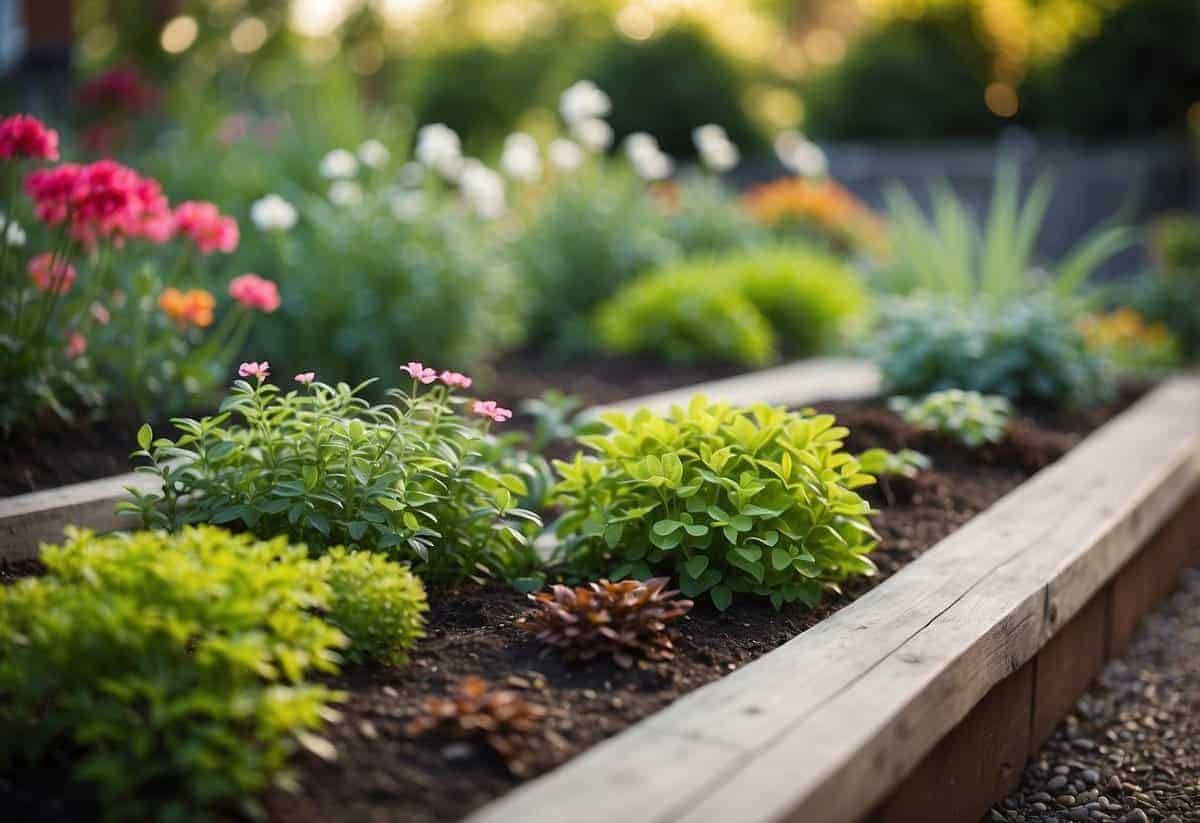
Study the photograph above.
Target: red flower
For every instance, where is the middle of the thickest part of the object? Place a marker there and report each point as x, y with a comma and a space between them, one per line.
104, 199
209, 229
255, 292
25, 136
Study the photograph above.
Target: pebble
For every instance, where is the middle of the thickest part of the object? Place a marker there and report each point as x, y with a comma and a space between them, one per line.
1090, 776
1135, 816
1067, 800
1056, 783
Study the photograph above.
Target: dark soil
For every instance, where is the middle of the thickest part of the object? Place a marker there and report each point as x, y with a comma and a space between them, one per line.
55, 454
1130, 751
384, 774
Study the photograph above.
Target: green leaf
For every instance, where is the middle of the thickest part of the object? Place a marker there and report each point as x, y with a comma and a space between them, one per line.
722, 597
665, 527
612, 535
145, 436
780, 559
695, 566
695, 529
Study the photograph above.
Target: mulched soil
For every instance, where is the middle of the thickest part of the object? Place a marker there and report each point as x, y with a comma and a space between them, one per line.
55, 454
384, 774
1130, 751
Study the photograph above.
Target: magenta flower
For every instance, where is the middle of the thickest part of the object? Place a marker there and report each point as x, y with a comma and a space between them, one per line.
254, 292
417, 371
453, 378
305, 377
260, 370
489, 409
23, 136
209, 229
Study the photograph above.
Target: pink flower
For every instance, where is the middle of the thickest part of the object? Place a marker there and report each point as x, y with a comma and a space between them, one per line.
118, 90
488, 408
104, 199
48, 274
209, 229
255, 293
25, 136
260, 370
305, 377
453, 378
76, 345
418, 372
99, 313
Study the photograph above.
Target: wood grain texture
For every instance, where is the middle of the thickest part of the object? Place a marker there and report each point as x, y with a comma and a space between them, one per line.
1065, 667
824, 727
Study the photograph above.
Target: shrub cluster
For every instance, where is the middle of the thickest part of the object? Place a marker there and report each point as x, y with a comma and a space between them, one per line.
325, 467
727, 500
168, 672
746, 308
969, 417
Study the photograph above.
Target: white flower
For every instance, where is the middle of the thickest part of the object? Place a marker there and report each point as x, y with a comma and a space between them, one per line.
345, 193
373, 154
520, 159
564, 154
800, 155
407, 205
439, 148
583, 101
273, 213
595, 135
482, 189
14, 235
717, 151
338, 165
649, 161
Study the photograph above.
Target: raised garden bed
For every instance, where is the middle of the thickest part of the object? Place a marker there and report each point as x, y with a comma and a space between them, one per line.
828, 724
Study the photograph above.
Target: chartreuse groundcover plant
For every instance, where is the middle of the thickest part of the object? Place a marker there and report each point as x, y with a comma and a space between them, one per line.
725, 500
167, 673
323, 466
969, 417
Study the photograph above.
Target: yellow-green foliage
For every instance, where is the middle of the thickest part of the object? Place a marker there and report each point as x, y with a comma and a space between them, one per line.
377, 603
167, 672
722, 499
746, 308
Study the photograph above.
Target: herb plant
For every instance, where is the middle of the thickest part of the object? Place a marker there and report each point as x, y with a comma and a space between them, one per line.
727, 500
166, 673
323, 466
969, 417
882, 463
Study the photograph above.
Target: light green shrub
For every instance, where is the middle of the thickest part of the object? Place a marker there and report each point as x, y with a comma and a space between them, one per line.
378, 604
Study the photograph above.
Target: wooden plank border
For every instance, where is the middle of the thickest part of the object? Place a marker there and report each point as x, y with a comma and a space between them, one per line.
28, 520
827, 726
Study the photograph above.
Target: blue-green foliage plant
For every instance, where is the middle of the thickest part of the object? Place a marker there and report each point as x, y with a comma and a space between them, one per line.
168, 674
325, 467
754, 501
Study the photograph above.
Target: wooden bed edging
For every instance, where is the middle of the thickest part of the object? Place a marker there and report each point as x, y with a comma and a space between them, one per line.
30, 519
826, 727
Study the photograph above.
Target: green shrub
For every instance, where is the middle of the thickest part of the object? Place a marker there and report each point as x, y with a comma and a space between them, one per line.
907, 79
165, 673
708, 219
670, 84
745, 308
1138, 74
969, 417
589, 235
1175, 242
1028, 351
325, 467
379, 605
728, 500
1170, 299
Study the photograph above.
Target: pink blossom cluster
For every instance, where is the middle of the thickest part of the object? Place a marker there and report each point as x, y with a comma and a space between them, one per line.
254, 292
101, 200
206, 226
489, 409
25, 137
484, 408
51, 275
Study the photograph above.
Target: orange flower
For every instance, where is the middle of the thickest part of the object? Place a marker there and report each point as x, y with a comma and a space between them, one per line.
191, 308
818, 204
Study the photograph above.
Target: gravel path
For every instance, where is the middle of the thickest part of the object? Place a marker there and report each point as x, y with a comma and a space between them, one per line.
1130, 751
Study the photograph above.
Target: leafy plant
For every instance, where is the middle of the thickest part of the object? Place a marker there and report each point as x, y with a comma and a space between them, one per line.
1125, 338
325, 467
704, 218
745, 308
882, 463
951, 254
1168, 298
728, 500
593, 232
1030, 352
505, 720
969, 417
625, 620
379, 605
1175, 243
166, 673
